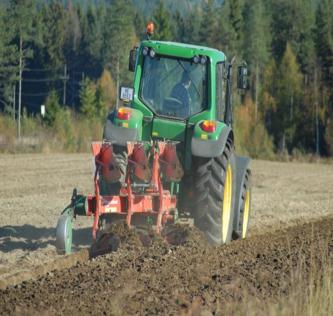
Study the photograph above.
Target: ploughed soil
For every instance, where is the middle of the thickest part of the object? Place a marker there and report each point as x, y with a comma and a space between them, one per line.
35, 188
155, 278
187, 277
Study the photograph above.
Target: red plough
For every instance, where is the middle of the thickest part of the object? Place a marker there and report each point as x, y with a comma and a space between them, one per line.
153, 200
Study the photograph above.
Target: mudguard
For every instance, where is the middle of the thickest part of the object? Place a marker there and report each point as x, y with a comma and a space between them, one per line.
210, 145
122, 131
242, 165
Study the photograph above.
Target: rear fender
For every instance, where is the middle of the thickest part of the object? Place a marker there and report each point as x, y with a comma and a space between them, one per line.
122, 131
242, 165
210, 145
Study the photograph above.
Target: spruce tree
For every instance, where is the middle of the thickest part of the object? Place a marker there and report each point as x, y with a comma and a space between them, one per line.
324, 49
54, 35
163, 26
8, 62
108, 86
21, 14
235, 18
118, 39
293, 23
73, 31
306, 45
91, 40
179, 29
52, 108
288, 95
139, 25
231, 27
192, 24
324, 35
88, 99
208, 28
257, 45
100, 103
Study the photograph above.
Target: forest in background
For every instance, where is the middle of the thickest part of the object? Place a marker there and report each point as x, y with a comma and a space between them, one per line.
70, 54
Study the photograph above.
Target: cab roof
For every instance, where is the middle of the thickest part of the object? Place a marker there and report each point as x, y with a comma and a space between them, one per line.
184, 50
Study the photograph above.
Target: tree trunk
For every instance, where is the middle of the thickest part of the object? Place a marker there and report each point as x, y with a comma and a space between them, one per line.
14, 102
316, 109
117, 84
65, 79
20, 89
256, 93
283, 143
291, 108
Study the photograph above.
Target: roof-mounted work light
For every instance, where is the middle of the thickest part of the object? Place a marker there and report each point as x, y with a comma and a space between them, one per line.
196, 59
152, 53
145, 51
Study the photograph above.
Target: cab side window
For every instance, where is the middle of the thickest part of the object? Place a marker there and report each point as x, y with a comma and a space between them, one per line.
220, 104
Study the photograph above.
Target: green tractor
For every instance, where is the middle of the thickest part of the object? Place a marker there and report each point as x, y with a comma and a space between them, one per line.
168, 153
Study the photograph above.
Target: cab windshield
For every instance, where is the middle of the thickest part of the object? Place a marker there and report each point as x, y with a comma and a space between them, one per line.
174, 87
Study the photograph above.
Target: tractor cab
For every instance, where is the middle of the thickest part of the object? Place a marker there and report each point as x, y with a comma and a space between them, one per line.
178, 86
174, 80
175, 88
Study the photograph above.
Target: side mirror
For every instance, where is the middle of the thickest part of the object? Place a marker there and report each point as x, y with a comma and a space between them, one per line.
126, 94
132, 59
242, 77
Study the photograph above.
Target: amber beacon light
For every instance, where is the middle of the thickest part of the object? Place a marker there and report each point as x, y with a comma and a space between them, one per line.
150, 28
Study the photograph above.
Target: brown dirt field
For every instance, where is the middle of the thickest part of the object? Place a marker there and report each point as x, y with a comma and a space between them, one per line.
192, 279
35, 188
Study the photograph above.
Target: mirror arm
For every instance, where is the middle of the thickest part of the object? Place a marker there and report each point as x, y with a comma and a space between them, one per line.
242, 76
228, 111
132, 58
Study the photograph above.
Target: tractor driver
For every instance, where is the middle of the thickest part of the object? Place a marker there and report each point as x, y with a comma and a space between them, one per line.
181, 92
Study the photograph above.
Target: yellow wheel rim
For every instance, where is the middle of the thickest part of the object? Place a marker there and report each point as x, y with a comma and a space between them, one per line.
246, 213
226, 207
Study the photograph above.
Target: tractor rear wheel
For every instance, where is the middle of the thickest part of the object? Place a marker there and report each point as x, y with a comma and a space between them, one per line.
244, 212
214, 195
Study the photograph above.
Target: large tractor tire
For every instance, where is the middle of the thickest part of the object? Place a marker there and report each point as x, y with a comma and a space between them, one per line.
245, 206
214, 195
